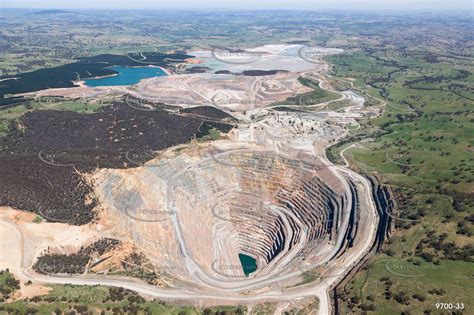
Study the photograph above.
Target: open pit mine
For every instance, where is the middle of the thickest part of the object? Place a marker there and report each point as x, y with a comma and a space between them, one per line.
258, 214
202, 209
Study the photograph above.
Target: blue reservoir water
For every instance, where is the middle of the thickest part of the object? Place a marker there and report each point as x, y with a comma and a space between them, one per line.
126, 76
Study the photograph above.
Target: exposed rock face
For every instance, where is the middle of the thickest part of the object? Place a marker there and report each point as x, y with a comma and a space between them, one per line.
209, 206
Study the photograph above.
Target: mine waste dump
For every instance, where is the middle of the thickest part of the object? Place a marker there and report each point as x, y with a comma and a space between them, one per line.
233, 214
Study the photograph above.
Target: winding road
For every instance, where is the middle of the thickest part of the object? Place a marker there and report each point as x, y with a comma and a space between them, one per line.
225, 290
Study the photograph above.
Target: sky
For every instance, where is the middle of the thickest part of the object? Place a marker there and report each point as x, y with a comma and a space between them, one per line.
430, 5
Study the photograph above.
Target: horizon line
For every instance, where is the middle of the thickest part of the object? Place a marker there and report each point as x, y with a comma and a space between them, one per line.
388, 9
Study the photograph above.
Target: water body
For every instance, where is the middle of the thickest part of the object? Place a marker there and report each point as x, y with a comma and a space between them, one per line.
249, 264
126, 76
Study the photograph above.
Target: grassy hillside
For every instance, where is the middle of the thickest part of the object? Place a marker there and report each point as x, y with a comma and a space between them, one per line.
423, 148
63, 299
314, 97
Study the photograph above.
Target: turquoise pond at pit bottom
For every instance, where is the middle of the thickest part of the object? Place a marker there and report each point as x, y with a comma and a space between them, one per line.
249, 264
126, 76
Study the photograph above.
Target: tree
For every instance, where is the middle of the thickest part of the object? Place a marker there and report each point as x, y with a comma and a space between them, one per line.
402, 297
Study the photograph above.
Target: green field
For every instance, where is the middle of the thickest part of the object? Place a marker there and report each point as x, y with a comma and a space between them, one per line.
314, 97
14, 112
423, 151
393, 286
97, 299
